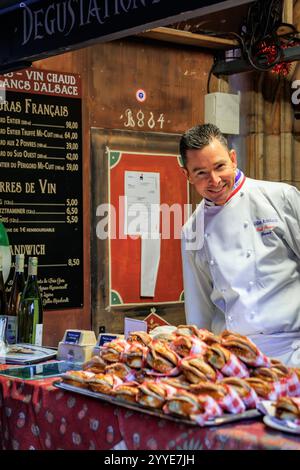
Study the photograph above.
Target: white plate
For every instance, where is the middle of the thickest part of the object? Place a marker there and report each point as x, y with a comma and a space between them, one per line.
280, 425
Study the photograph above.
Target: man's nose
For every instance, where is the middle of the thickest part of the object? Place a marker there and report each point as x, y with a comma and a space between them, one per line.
214, 179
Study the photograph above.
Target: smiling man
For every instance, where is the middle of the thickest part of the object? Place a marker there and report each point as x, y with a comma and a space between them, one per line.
241, 249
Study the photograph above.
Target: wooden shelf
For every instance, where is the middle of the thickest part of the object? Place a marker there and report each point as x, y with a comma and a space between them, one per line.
185, 37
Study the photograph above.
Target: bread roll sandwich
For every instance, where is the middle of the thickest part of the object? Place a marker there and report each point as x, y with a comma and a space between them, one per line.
183, 404
104, 383
161, 358
96, 365
113, 351
243, 348
178, 382
288, 408
135, 355
262, 388
185, 345
151, 394
196, 369
77, 378
279, 368
126, 391
217, 356
214, 390
240, 385
140, 337
208, 337
186, 330
266, 374
120, 370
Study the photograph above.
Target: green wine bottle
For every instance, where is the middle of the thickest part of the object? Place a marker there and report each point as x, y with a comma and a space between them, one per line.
14, 299
30, 314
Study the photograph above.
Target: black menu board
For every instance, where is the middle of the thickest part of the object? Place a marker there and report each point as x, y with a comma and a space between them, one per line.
41, 178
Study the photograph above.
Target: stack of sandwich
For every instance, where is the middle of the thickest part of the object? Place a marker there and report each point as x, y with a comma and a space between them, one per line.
189, 372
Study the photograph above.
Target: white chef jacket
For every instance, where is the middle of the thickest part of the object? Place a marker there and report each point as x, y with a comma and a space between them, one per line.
241, 267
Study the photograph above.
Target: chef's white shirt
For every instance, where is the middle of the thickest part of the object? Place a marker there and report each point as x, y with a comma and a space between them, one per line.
241, 266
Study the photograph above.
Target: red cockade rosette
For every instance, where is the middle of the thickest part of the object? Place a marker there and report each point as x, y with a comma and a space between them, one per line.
244, 349
225, 361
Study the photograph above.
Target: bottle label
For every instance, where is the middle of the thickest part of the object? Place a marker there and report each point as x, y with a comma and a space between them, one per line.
19, 263
38, 334
11, 329
32, 266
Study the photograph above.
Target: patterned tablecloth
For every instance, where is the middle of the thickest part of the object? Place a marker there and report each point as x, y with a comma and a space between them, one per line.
37, 415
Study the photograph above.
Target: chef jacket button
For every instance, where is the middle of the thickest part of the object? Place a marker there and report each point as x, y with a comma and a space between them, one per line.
241, 194
250, 284
252, 314
211, 262
229, 318
248, 254
206, 235
246, 224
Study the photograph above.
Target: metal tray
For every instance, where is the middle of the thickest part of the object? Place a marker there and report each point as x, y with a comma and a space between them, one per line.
226, 418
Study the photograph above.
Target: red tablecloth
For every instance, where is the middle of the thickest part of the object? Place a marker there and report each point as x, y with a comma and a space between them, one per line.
36, 415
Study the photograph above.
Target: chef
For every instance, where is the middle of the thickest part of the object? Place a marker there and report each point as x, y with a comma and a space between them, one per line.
241, 249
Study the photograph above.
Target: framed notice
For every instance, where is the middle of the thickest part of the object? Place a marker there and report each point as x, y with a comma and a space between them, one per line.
41, 178
139, 216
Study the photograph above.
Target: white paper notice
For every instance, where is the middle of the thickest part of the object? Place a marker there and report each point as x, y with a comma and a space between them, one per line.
149, 265
142, 200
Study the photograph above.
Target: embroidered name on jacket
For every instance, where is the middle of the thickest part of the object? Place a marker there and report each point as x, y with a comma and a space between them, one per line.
265, 226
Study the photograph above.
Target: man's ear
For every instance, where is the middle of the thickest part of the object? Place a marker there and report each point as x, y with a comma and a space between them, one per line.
186, 174
233, 157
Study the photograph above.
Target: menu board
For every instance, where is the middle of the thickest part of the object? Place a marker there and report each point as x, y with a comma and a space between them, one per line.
41, 179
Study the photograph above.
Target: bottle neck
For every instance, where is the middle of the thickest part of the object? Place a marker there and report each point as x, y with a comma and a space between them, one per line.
19, 266
32, 266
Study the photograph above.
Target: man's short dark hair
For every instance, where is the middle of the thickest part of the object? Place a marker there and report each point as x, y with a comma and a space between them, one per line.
198, 137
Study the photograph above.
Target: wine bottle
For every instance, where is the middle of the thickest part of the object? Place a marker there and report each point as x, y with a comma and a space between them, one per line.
14, 299
5, 252
3, 298
30, 314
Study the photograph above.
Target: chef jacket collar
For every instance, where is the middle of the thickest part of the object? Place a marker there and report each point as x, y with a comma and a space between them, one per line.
193, 229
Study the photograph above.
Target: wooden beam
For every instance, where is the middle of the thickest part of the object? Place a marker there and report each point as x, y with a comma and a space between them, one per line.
191, 39
287, 13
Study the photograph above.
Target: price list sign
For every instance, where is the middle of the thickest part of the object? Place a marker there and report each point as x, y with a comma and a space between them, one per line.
41, 178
